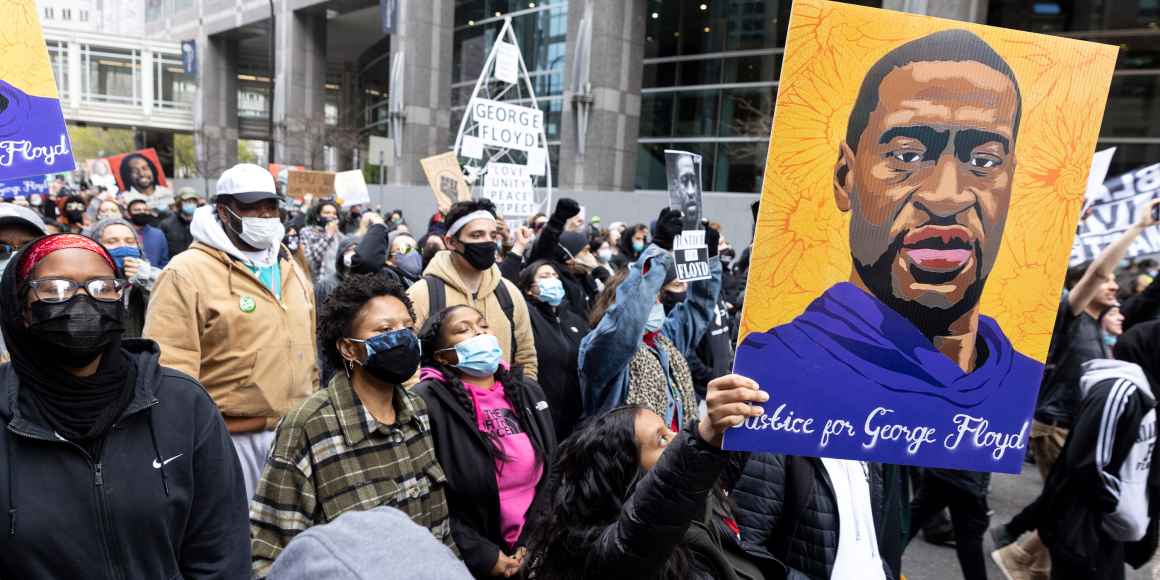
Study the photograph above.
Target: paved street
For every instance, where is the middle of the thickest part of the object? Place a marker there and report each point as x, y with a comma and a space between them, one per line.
924, 561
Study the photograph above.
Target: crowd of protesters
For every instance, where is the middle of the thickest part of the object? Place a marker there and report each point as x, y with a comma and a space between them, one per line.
242, 385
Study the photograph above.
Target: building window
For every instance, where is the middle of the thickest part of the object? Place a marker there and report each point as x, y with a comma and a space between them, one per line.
66, 14
48, 13
172, 88
709, 84
58, 57
1134, 100
84, 15
110, 75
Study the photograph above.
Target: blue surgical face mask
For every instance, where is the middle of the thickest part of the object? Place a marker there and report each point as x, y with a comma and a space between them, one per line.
656, 318
551, 291
1109, 339
479, 356
119, 255
188, 208
638, 245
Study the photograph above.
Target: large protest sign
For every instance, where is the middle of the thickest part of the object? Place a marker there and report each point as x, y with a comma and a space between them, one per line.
1111, 211
446, 179
916, 216
690, 255
351, 187
141, 172
503, 124
33, 137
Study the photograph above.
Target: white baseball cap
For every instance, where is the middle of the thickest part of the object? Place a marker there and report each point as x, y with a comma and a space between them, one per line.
247, 183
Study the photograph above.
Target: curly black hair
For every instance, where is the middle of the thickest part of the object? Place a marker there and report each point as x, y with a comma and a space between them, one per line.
514, 389
343, 305
595, 471
126, 173
314, 213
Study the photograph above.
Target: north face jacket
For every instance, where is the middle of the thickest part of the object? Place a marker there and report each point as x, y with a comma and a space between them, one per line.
788, 515
164, 499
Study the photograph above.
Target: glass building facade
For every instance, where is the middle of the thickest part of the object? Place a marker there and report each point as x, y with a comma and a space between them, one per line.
709, 85
1134, 25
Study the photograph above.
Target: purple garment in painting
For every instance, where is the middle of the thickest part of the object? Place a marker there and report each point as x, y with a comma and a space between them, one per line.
850, 357
33, 139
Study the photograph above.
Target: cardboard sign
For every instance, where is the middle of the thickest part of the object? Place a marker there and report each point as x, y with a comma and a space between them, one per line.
1111, 211
33, 137
507, 63
914, 189
141, 172
507, 126
299, 184
509, 187
351, 187
446, 179
381, 151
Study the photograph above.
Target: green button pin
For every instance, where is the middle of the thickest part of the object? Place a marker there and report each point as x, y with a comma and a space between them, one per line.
247, 304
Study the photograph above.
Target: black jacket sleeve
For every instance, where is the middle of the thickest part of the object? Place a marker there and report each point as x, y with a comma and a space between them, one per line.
217, 542
547, 242
371, 255
653, 522
510, 267
479, 554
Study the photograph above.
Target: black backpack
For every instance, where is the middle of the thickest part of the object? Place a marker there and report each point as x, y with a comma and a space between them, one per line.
437, 301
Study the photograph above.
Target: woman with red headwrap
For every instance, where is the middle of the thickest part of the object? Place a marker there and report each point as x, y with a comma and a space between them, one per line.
113, 465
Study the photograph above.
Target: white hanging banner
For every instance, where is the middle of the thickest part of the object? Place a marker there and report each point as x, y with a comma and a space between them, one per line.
507, 126
509, 187
507, 63
537, 161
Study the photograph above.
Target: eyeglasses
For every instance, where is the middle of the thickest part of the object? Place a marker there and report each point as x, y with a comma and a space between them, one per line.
57, 290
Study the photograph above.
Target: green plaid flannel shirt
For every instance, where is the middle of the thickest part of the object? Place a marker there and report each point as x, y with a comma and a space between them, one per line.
330, 456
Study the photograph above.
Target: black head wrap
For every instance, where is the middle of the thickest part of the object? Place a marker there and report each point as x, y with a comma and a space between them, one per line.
1141, 345
76, 408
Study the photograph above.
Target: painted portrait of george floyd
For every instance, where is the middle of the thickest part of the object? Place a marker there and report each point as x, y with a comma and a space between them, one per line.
913, 232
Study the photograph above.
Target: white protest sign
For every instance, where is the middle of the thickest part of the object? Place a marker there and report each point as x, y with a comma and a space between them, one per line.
472, 147
507, 126
509, 187
537, 159
507, 63
1101, 161
351, 187
1113, 209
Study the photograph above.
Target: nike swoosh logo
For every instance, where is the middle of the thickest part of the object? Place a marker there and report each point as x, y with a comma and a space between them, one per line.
157, 464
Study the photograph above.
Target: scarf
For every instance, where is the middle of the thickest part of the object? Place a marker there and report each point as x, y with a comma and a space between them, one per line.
648, 385
76, 408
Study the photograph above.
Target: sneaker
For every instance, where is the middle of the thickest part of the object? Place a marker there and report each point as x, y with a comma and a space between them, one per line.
1013, 562
1000, 536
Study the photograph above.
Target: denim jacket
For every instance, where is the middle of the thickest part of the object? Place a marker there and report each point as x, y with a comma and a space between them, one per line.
606, 351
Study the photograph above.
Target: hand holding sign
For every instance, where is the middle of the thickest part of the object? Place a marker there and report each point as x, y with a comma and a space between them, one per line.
1149, 214
728, 405
669, 226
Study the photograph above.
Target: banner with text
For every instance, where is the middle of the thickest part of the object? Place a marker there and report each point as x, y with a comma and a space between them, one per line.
509, 187
506, 125
1112, 210
886, 226
33, 136
691, 256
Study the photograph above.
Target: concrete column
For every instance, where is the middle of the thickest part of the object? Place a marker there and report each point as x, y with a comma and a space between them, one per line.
424, 38
609, 163
300, 85
146, 90
215, 111
965, 10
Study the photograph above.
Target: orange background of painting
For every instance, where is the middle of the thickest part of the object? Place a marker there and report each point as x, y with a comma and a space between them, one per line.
802, 242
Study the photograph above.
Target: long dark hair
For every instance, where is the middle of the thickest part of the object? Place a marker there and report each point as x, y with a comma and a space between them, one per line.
527, 278
514, 389
595, 472
314, 213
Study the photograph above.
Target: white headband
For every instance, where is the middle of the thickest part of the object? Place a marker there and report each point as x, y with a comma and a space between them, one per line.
479, 214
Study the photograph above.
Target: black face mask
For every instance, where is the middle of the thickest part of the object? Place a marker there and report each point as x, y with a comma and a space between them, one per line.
481, 255
671, 299
143, 219
79, 329
393, 356
75, 216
